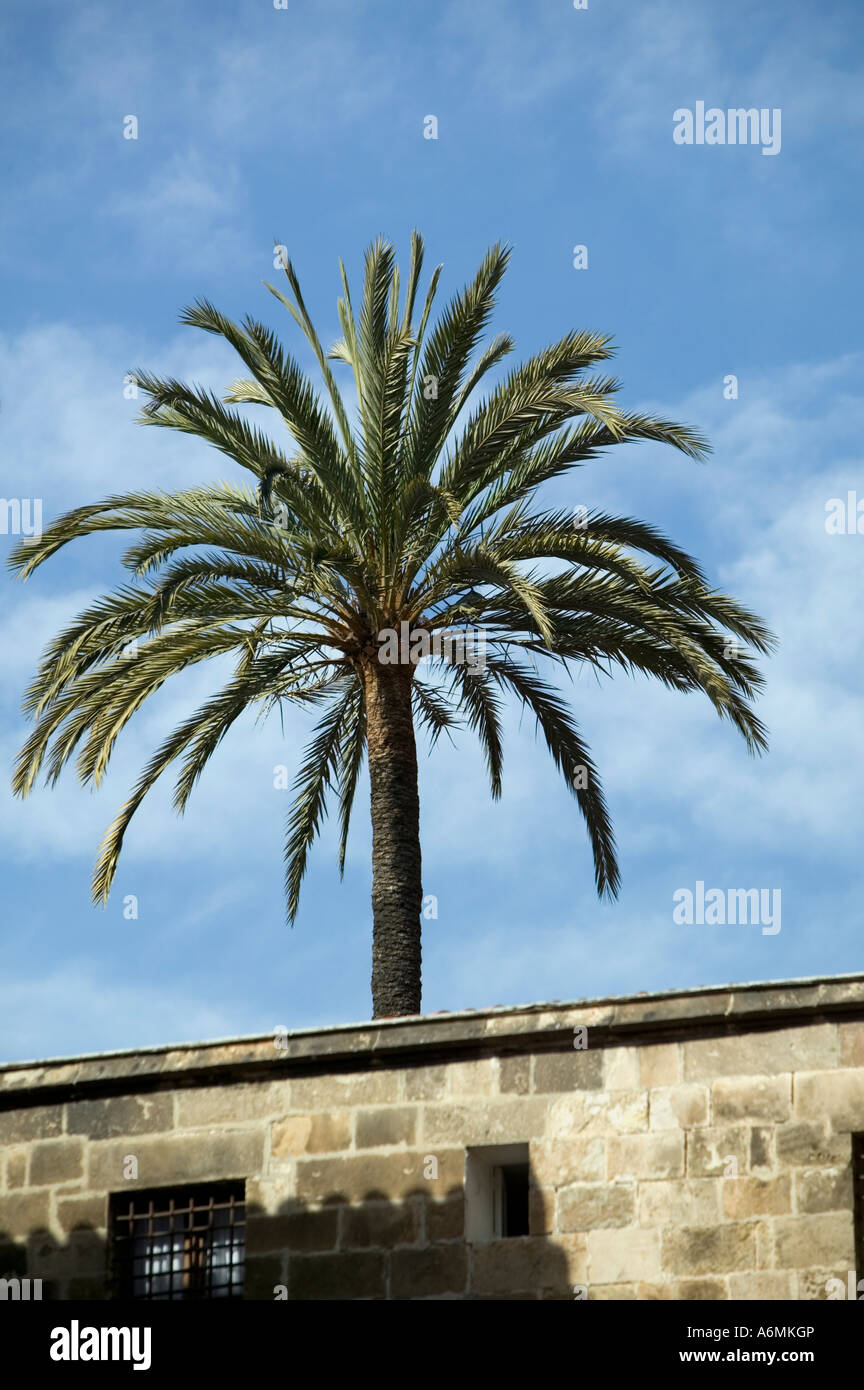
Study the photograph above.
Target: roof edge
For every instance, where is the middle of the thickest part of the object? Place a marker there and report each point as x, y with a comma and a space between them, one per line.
424, 1038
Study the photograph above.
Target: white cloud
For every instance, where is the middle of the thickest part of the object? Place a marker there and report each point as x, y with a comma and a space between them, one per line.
76, 1008
187, 211
69, 430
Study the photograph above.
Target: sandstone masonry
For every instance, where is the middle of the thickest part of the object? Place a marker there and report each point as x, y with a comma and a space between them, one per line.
700, 1147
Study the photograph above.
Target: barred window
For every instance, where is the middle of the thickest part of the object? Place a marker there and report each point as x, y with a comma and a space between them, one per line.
179, 1243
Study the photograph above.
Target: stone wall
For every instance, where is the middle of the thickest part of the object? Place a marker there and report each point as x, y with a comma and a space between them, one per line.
699, 1148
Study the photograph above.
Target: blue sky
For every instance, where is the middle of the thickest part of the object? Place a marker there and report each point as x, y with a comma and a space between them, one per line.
554, 130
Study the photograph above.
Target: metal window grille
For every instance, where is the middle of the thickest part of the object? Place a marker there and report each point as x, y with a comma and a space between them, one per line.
179, 1243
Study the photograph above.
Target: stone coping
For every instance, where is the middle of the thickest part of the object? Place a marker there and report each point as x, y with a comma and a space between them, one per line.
428, 1038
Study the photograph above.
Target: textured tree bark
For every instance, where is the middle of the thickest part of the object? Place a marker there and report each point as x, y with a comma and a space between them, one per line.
397, 890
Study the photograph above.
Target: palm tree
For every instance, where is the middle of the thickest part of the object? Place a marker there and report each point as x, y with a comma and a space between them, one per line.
412, 506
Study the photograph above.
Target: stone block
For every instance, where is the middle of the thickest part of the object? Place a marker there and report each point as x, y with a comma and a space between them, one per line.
343, 1090
677, 1107
762, 1285
762, 1053
527, 1264
357, 1178
300, 1232
646, 1156
621, 1068
823, 1285
761, 1149
355, 1275
851, 1037
429, 1273
263, 1275
701, 1291
751, 1098
575, 1070
836, 1096
514, 1075
598, 1112
445, 1220
826, 1239
427, 1083
380, 1225
745, 1197
557, 1162
271, 1194
473, 1078
622, 1257
75, 1213
176, 1160
85, 1253
766, 1249
242, 1105
23, 1213
117, 1115
505, 1297
386, 1128
56, 1161
679, 1202
541, 1211
718, 1152
486, 1122
23, 1126
709, 1249
811, 1145
305, 1134
593, 1206
660, 1064
823, 1189
16, 1168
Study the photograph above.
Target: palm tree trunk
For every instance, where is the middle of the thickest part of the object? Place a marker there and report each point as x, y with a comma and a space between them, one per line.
397, 890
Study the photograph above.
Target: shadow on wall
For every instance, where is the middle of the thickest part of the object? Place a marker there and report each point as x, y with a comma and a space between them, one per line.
377, 1248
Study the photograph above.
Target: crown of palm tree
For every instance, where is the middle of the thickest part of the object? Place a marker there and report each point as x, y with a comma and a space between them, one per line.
416, 505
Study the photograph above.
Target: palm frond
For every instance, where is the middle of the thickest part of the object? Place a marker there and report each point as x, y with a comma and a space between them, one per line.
573, 760
317, 774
